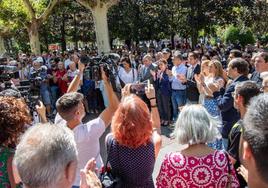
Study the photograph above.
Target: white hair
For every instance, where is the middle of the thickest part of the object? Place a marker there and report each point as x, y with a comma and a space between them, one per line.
43, 154
195, 126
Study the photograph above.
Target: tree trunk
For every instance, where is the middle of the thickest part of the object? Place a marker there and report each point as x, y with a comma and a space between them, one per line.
101, 28
2, 46
63, 40
194, 38
75, 33
34, 37
128, 43
172, 38
111, 42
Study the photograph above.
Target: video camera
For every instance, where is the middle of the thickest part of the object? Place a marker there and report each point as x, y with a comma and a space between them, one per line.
37, 76
30, 93
93, 67
7, 72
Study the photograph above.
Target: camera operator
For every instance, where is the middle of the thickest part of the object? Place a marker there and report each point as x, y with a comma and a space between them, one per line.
8, 75
24, 67
71, 111
39, 73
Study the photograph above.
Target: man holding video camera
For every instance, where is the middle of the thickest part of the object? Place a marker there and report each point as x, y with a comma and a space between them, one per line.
39, 78
71, 111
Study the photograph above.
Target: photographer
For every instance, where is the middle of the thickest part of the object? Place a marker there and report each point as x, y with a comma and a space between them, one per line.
71, 111
23, 67
38, 74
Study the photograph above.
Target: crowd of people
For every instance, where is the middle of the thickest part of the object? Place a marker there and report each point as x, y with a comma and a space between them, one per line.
215, 101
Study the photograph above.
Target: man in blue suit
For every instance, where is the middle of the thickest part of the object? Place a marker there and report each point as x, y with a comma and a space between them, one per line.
237, 71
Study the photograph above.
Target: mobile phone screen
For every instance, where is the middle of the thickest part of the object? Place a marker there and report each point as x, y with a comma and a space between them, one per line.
138, 89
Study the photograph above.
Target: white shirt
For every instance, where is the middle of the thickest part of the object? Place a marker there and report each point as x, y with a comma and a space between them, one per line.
87, 140
127, 77
67, 62
211, 80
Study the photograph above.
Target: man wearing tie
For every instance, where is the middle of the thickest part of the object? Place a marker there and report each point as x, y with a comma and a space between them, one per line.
146, 73
192, 92
146, 68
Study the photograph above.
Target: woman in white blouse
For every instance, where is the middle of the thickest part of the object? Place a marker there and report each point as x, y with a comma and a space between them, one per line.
126, 74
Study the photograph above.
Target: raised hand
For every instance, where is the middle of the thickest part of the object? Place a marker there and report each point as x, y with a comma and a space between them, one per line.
214, 87
182, 78
169, 72
103, 75
243, 172
126, 90
153, 73
149, 90
81, 67
41, 110
88, 176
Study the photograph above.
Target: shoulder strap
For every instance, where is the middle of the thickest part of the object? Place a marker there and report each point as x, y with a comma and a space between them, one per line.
108, 147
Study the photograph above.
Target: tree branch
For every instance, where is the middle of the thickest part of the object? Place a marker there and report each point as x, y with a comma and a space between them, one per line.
110, 3
89, 4
29, 7
48, 10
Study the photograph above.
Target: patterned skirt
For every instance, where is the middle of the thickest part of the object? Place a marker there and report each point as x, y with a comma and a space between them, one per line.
212, 108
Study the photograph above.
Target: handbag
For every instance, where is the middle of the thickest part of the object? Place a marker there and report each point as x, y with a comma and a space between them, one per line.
108, 177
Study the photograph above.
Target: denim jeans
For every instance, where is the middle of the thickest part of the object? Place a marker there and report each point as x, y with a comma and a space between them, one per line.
178, 99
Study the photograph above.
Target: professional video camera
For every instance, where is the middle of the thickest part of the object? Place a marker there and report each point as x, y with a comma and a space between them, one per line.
93, 67
30, 93
37, 76
8, 72
30, 89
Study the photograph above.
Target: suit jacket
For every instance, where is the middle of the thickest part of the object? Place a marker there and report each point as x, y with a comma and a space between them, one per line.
143, 76
163, 85
191, 89
225, 103
256, 77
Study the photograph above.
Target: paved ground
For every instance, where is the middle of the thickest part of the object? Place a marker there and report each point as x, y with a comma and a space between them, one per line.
168, 145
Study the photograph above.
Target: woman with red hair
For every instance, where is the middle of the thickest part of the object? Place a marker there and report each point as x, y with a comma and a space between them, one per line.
135, 140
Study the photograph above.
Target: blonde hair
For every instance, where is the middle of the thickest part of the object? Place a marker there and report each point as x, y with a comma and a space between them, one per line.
219, 69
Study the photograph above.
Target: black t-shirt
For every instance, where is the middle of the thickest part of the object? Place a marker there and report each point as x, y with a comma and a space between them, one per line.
233, 148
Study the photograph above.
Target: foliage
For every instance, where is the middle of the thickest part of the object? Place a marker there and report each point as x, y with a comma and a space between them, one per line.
145, 20
235, 35
137, 20
69, 21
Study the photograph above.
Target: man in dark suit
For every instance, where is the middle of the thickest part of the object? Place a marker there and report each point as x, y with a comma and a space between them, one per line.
192, 92
146, 73
146, 68
237, 71
261, 65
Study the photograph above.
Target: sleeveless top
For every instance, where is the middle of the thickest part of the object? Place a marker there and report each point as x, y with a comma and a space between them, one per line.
208, 171
134, 166
5, 153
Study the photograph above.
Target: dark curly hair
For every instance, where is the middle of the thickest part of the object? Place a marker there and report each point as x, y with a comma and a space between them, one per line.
14, 116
